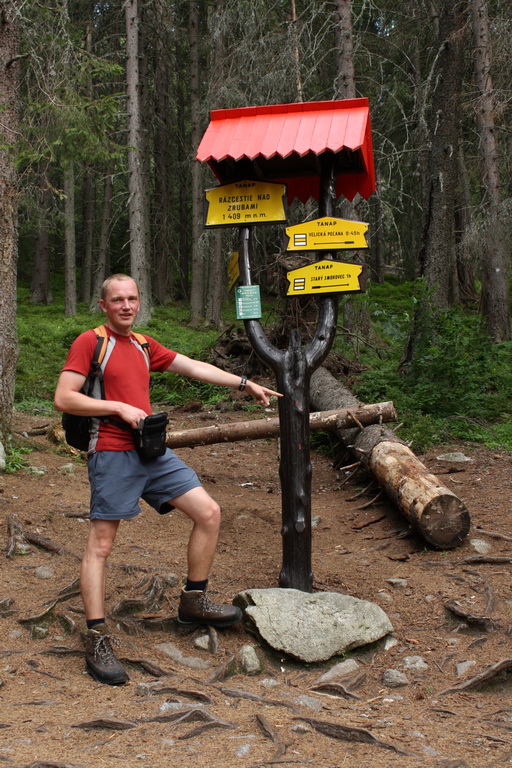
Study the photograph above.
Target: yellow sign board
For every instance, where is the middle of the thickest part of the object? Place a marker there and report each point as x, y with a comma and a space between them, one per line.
327, 277
233, 270
327, 233
245, 202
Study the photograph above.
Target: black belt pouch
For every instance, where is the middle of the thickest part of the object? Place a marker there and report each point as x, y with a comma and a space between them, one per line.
150, 436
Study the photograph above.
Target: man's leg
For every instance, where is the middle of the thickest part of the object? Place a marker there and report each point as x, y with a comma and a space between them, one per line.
205, 515
195, 606
92, 572
100, 660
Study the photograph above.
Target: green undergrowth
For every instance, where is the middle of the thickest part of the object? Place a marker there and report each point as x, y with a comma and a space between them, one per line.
456, 389
45, 335
15, 458
457, 386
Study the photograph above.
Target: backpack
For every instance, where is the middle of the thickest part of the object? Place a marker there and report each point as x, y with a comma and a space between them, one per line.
76, 428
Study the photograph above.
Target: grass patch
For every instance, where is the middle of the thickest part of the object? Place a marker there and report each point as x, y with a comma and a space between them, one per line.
457, 389
16, 458
45, 335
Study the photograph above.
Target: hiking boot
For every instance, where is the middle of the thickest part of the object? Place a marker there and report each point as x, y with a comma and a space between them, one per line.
196, 608
100, 660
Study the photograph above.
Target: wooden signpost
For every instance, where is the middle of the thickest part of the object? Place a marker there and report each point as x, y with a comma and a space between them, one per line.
321, 149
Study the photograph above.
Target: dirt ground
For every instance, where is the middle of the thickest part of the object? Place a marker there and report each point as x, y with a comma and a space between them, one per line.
54, 714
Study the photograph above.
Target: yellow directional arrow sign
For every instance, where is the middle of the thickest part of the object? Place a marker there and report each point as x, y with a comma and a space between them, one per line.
327, 277
245, 202
327, 233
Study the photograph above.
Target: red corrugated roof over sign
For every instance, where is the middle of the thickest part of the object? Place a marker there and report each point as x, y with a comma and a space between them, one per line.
286, 142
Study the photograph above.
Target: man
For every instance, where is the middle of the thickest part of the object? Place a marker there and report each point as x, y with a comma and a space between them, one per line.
119, 476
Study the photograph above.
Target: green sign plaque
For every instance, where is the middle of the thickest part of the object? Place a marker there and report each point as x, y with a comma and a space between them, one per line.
248, 303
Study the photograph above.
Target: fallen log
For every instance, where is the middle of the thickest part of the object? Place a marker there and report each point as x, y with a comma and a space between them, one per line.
260, 428
433, 510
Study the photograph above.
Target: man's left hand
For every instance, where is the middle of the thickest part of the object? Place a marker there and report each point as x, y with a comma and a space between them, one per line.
262, 395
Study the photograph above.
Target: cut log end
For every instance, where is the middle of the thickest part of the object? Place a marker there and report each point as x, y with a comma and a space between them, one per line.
434, 510
444, 522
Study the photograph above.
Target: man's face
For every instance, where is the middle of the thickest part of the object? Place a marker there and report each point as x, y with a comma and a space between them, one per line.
121, 305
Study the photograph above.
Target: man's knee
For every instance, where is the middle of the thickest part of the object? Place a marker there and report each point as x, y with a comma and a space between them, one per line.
102, 548
200, 507
210, 514
101, 540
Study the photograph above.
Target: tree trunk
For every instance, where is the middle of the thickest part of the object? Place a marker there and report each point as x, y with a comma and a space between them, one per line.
197, 286
87, 234
146, 108
216, 281
183, 290
137, 210
422, 139
296, 51
89, 198
165, 248
345, 84
9, 105
345, 88
433, 510
465, 263
377, 235
437, 252
69, 240
101, 266
182, 170
495, 299
40, 288
438, 248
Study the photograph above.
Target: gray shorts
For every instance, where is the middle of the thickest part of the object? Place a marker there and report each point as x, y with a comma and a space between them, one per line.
120, 478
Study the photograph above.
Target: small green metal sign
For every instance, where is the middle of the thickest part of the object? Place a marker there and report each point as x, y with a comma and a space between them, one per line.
248, 303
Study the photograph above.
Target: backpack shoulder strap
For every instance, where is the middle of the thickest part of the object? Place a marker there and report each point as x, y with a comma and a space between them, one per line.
101, 346
97, 358
144, 344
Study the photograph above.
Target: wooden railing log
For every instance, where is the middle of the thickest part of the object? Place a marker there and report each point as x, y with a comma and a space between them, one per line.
261, 428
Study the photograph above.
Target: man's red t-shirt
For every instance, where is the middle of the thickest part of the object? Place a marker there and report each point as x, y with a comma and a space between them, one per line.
126, 379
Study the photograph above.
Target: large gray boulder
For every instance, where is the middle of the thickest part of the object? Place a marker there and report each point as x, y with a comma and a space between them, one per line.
312, 627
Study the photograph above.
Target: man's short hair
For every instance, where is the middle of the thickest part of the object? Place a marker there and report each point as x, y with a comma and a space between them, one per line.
110, 279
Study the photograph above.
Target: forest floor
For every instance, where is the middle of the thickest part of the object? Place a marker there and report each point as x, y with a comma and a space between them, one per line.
53, 714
